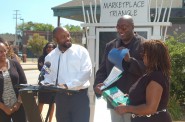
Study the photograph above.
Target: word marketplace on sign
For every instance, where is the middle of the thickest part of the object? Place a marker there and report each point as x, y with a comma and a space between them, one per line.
118, 8
126, 5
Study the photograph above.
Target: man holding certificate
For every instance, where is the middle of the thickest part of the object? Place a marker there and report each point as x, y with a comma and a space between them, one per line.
132, 63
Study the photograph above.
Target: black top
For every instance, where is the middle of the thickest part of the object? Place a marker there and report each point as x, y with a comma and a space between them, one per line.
17, 77
41, 60
137, 92
132, 70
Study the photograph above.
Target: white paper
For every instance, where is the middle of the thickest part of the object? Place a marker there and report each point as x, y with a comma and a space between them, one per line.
114, 75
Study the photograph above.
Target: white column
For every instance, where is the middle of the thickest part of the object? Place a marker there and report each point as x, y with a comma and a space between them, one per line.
91, 49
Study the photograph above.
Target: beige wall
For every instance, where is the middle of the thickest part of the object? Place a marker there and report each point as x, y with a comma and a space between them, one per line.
176, 3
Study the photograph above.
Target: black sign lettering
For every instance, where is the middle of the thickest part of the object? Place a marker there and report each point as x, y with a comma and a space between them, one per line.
127, 4
118, 8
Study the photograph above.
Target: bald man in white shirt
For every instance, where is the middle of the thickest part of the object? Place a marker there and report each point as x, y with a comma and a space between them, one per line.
71, 66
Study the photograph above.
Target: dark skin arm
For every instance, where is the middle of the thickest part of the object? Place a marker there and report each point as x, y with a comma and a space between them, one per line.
153, 96
17, 105
10, 110
5, 108
98, 86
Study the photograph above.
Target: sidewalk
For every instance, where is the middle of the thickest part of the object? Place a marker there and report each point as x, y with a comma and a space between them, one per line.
29, 65
101, 113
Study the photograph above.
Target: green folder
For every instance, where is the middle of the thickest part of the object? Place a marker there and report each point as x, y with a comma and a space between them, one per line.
115, 96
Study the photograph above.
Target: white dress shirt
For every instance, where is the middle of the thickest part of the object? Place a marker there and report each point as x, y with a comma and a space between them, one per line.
75, 67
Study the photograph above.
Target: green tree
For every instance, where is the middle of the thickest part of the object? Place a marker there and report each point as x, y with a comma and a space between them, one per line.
36, 44
35, 27
177, 53
73, 28
177, 86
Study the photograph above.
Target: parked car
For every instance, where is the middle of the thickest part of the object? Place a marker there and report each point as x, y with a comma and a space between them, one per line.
20, 54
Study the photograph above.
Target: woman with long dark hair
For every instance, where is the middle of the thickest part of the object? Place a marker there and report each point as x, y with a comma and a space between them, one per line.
149, 96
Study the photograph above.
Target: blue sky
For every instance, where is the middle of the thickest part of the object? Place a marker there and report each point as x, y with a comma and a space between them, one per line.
30, 10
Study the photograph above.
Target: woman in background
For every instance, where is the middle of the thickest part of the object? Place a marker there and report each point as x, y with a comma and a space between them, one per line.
11, 74
149, 96
46, 97
10, 53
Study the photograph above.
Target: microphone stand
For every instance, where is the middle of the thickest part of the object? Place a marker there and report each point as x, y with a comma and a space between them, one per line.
53, 96
40, 78
50, 106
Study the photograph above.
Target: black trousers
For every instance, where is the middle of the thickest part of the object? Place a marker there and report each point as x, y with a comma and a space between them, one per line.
18, 116
72, 108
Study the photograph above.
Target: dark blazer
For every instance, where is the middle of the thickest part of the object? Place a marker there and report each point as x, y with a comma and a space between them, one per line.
132, 70
17, 76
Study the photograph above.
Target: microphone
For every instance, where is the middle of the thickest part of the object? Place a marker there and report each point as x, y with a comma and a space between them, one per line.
45, 70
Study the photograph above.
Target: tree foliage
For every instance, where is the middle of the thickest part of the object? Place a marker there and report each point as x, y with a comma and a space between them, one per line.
36, 44
35, 27
177, 53
73, 28
177, 87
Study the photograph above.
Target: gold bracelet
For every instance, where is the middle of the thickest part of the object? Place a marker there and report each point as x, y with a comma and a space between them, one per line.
19, 101
15, 106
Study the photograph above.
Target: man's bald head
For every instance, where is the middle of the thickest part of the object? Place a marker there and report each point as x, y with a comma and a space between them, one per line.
127, 18
57, 29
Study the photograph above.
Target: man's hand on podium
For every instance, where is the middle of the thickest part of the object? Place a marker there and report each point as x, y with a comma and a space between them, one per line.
63, 86
46, 83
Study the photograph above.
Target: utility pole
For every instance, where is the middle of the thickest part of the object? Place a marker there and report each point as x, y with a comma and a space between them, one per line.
16, 17
22, 33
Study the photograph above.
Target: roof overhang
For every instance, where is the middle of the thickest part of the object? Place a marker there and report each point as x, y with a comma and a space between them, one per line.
73, 10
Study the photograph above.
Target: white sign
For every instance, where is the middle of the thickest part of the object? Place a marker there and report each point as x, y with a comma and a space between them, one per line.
112, 10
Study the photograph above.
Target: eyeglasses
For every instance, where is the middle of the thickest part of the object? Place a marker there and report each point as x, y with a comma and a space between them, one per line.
122, 27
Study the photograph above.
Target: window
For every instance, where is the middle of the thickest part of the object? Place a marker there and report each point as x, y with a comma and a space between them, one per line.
183, 3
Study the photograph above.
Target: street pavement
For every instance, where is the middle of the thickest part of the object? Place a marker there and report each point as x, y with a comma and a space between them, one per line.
101, 113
